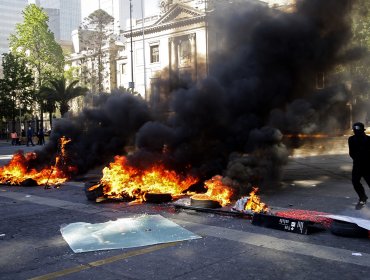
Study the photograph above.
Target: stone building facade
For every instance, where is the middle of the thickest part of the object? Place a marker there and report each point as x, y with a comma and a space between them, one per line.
173, 44
155, 51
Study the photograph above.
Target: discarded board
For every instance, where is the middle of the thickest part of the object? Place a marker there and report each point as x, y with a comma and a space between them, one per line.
282, 223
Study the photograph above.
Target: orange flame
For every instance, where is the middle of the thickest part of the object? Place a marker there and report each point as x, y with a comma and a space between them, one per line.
17, 170
254, 202
63, 141
304, 136
216, 190
121, 180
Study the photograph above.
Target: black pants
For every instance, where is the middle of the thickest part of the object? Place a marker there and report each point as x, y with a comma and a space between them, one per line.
29, 140
358, 172
41, 140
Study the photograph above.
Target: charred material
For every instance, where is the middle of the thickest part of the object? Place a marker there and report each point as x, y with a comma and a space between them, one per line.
93, 190
204, 203
157, 197
28, 183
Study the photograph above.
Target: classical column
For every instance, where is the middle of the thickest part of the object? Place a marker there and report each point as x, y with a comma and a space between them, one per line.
193, 56
173, 54
173, 63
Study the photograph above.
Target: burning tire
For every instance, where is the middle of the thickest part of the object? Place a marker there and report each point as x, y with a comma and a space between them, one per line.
204, 203
28, 183
93, 190
342, 228
157, 197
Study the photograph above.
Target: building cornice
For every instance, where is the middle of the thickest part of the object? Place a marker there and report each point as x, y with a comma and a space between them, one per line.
164, 22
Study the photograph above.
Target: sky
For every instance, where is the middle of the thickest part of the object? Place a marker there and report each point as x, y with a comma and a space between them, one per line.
150, 7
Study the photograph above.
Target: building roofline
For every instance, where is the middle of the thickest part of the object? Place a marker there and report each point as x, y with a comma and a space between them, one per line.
160, 25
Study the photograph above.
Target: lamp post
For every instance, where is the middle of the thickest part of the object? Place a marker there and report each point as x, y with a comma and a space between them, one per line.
207, 39
132, 85
142, 16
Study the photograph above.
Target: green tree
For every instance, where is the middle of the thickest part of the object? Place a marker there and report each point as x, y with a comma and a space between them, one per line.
16, 88
361, 23
62, 93
36, 44
97, 32
72, 73
359, 70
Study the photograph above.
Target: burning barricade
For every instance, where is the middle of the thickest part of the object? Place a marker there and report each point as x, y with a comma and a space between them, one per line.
155, 184
19, 171
121, 181
124, 182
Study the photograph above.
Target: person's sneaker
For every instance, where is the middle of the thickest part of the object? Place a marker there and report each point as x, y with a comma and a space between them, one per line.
360, 204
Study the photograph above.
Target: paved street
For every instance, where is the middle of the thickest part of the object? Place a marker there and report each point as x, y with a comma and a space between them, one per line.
32, 247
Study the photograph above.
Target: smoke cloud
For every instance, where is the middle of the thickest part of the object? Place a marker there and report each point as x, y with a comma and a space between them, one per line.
261, 85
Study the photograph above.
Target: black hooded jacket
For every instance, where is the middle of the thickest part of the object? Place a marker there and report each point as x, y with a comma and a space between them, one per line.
359, 149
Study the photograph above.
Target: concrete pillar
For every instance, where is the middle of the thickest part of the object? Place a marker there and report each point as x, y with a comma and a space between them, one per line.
193, 49
173, 54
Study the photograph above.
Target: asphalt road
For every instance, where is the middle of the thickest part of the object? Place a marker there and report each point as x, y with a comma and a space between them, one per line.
32, 247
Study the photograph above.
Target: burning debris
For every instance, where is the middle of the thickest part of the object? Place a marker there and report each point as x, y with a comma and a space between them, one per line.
217, 192
19, 172
122, 181
251, 204
254, 203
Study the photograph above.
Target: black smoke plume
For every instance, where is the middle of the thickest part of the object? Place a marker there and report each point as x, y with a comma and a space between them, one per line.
99, 133
261, 84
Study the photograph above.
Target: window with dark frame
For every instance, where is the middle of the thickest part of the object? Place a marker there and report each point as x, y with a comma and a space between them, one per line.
154, 54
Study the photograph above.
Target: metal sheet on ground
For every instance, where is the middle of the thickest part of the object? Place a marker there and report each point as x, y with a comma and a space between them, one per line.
123, 233
360, 222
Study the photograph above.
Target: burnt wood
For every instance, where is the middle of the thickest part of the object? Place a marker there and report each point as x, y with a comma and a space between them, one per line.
157, 197
204, 203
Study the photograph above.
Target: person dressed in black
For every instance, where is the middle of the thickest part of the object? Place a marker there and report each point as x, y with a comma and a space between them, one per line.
41, 137
29, 136
359, 151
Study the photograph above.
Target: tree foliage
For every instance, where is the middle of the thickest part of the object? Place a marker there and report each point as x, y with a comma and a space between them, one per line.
62, 93
96, 33
357, 72
16, 88
361, 22
36, 44
360, 69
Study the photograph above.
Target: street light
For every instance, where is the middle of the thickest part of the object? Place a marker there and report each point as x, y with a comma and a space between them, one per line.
142, 16
132, 84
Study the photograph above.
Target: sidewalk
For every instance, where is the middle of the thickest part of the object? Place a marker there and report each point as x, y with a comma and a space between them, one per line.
5, 142
7, 150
